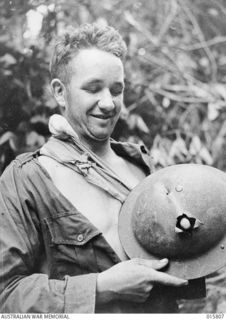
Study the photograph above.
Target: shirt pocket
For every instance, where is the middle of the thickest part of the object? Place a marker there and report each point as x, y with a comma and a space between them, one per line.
70, 245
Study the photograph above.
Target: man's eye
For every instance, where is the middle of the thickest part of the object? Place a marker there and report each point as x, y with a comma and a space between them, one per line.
93, 88
116, 91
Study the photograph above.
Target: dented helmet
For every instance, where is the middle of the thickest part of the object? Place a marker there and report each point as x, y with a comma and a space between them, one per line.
178, 213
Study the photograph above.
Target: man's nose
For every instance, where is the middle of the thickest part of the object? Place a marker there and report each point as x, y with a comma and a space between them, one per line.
106, 102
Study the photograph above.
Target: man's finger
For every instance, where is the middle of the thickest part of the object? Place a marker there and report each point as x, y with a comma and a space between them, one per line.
166, 279
154, 264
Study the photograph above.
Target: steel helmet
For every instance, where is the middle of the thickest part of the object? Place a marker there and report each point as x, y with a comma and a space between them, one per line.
178, 213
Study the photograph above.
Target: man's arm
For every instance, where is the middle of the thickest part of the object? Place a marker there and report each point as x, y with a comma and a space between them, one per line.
22, 289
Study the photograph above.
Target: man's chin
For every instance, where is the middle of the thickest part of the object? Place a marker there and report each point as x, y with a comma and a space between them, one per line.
100, 137
99, 133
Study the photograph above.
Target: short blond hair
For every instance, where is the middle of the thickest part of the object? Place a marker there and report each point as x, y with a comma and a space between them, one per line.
104, 38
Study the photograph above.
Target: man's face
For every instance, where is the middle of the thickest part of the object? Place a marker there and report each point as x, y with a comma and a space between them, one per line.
94, 94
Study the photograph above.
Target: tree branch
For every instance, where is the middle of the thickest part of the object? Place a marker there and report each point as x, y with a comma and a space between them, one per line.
169, 19
178, 98
201, 37
202, 45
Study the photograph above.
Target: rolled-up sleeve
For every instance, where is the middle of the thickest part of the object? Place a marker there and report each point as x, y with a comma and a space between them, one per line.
22, 288
84, 289
38, 294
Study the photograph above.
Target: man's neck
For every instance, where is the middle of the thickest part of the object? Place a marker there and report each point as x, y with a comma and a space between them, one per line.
101, 148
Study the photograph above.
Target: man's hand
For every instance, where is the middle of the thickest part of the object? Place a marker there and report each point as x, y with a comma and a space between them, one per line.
133, 280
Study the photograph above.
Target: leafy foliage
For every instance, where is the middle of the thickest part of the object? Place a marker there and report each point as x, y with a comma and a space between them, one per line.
175, 70
175, 96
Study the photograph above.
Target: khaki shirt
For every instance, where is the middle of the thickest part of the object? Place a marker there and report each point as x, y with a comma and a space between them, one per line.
50, 253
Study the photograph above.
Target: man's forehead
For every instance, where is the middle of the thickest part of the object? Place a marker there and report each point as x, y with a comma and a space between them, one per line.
114, 80
95, 59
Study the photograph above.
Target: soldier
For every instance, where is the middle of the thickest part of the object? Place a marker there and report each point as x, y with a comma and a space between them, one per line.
60, 246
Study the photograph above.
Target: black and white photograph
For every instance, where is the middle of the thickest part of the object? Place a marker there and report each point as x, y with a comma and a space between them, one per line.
112, 158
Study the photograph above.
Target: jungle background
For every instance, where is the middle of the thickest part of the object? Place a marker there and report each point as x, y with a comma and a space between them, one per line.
175, 95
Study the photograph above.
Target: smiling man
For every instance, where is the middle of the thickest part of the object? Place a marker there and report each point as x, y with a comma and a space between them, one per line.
60, 246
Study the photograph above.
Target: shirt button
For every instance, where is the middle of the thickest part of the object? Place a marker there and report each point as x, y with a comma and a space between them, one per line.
80, 237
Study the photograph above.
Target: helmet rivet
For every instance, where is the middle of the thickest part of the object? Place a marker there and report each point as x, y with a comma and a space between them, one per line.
222, 246
179, 188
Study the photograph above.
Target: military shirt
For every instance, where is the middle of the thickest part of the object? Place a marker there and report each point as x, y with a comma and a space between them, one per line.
50, 252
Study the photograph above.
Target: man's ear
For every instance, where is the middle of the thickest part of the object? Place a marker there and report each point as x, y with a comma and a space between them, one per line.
59, 90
